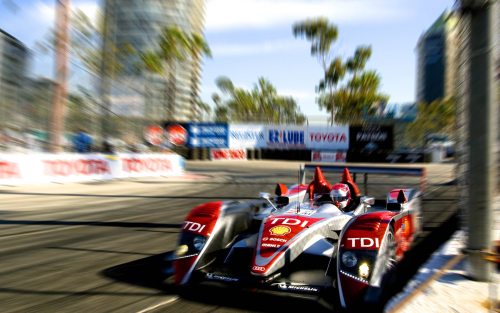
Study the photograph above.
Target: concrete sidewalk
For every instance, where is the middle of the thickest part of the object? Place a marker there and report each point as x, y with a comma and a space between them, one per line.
442, 285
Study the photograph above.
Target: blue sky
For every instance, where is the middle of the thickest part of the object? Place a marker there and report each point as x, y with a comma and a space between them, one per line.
253, 38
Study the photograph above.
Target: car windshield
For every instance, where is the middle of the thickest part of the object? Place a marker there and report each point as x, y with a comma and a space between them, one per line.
308, 208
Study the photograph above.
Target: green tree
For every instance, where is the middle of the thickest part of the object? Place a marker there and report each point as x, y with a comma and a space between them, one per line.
437, 117
260, 104
347, 91
79, 114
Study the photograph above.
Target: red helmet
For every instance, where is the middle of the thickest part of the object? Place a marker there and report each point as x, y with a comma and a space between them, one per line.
341, 195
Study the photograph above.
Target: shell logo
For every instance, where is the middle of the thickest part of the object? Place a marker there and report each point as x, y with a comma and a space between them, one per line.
280, 230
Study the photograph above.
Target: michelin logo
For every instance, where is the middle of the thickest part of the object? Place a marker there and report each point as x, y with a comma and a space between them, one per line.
212, 276
292, 287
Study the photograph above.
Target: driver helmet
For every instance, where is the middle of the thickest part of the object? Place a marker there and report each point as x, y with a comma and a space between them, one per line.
341, 195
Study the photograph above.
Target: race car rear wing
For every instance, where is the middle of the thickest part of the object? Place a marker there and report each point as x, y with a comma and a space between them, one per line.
367, 169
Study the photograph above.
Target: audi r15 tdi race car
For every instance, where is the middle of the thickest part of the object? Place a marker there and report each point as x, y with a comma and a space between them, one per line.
306, 240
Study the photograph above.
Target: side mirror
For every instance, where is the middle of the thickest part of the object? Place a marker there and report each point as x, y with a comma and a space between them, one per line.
369, 200
282, 201
265, 195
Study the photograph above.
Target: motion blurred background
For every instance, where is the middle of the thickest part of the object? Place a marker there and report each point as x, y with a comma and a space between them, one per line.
419, 79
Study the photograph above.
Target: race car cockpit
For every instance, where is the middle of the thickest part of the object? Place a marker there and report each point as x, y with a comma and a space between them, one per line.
345, 195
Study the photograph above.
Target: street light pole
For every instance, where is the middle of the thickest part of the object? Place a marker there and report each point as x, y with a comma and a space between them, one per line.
483, 122
60, 92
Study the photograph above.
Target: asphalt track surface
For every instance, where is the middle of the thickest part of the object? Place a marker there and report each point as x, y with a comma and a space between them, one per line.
99, 247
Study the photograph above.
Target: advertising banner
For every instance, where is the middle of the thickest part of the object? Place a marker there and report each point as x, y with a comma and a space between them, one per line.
11, 170
228, 154
146, 165
405, 157
63, 168
368, 139
16, 169
285, 137
246, 136
207, 135
328, 156
328, 138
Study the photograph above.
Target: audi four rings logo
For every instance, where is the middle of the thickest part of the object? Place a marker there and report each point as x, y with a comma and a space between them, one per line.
256, 268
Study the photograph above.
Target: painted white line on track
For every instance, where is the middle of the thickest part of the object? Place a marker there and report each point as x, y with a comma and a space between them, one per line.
173, 299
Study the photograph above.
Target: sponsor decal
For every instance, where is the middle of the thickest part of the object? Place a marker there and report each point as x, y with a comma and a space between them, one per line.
286, 137
76, 167
364, 242
280, 230
405, 157
270, 245
134, 165
291, 287
256, 268
208, 135
193, 226
305, 212
177, 135
322, 156
9, 170
228, 154
331, 137
247, 135
277, 239
219, 277
265, 239
289, 221
370, 138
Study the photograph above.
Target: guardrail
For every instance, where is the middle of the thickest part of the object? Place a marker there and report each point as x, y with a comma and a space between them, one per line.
365, 170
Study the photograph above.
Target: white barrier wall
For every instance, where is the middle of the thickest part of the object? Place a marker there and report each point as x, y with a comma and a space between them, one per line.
17, 169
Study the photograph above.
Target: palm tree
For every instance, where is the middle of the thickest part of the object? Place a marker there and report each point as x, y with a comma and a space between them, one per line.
175, 46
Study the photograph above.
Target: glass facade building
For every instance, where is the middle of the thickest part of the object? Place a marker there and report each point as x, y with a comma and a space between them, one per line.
437, 59
13, 70
135, 26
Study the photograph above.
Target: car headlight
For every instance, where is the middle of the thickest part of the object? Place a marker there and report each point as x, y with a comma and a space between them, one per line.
364, 270
199, 242
181, 250
349, 259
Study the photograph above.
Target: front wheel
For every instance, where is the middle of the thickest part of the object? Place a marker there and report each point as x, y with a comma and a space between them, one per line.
383, 278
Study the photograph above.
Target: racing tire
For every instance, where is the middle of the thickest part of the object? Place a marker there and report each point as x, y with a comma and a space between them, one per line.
376, 297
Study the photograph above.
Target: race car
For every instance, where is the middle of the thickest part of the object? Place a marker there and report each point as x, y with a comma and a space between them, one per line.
302, 241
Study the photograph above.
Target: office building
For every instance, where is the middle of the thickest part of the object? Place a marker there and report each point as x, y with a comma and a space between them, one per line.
136, 26
437, 59
13, 69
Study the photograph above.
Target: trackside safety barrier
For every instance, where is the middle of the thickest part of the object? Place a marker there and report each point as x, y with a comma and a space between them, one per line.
367, 169
18, 169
